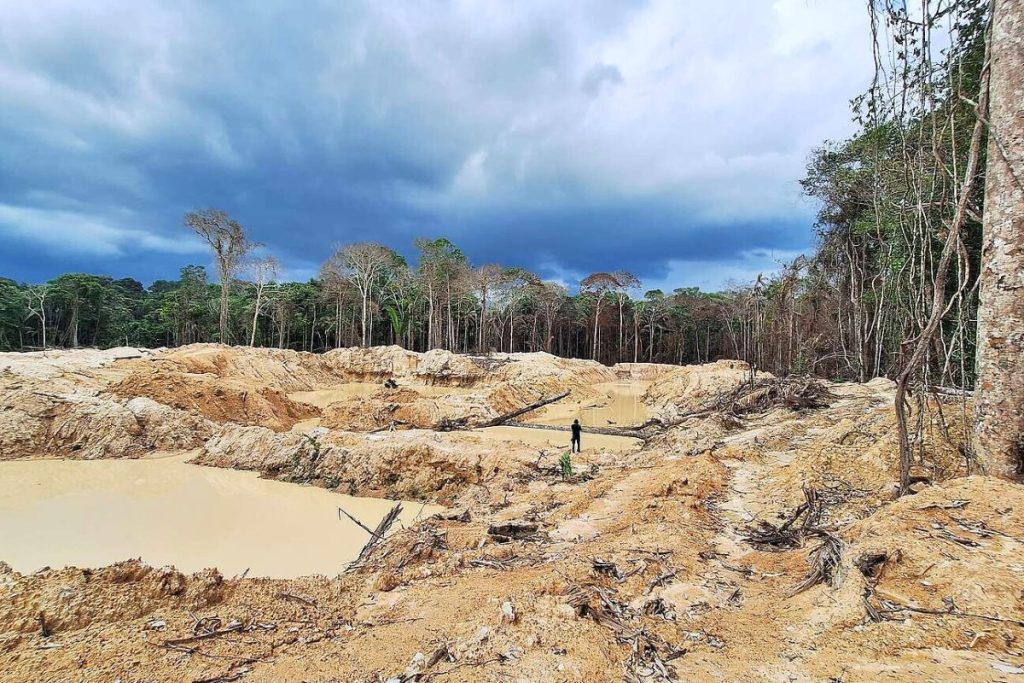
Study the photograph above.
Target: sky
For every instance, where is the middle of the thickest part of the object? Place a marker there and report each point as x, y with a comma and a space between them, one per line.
666, 138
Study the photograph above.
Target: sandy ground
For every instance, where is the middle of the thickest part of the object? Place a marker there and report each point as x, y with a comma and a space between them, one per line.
639, 567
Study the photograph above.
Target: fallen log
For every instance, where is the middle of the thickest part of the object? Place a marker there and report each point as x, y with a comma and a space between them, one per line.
631, 432
509, 531
502, 419
951, 391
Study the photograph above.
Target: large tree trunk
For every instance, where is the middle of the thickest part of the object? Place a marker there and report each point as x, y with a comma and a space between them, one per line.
999, 430
363, 328
223, 323
255, 318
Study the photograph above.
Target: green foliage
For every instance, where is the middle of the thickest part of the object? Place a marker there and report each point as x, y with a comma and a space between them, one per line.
565, 465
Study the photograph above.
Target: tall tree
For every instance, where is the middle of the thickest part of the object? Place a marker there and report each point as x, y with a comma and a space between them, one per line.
440, 264
628, 283
485, 279
264, 272
364, 264
227, 240
550, 299
599, 285
999, 429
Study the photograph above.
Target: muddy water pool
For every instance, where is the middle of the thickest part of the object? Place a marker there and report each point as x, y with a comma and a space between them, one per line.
94, 513
546, 438
621, 407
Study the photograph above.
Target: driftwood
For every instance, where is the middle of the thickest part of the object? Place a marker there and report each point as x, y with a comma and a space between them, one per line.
376, 536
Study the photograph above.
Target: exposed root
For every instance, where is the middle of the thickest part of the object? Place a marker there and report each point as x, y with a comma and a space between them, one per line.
789, 534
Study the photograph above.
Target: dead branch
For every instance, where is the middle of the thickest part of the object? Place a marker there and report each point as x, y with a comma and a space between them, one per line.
231, 628
509, 531
887, 607
825, 562
341, 511
297, 598
789, 534
376, 536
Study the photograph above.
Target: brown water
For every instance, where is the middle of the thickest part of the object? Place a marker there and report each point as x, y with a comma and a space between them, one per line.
621, 407
94, 513
546, 438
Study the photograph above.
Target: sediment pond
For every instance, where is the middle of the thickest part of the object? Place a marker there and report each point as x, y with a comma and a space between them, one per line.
94, 513
622, 407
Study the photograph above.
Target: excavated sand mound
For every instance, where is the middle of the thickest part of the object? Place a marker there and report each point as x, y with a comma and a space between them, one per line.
280, 369
56, 363
412, 464
220, 399
689, 387
70, 599
642, 372
83, 425
404, 408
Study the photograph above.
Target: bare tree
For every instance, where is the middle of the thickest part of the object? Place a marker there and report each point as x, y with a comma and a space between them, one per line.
550, 299
37, 306
512, 289
484, 279
363, 264
598, 284
628, 283
335, 283
226, 239
264, 272
999, 428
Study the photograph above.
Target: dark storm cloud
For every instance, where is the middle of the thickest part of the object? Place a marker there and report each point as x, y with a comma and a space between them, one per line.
567, 139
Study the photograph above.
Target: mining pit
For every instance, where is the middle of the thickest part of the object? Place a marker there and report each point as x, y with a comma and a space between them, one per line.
214, 513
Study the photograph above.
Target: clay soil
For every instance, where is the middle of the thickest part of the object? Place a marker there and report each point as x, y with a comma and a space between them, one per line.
643, 565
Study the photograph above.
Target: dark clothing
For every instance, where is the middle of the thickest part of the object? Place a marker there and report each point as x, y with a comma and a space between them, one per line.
575, 443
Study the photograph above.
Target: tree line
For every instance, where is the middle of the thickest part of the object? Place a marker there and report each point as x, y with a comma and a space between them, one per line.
368, 294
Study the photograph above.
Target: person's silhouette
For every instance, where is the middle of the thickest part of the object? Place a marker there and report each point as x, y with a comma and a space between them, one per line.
576, 429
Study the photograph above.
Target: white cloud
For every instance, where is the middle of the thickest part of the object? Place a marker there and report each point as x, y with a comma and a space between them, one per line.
72, 232
716, 105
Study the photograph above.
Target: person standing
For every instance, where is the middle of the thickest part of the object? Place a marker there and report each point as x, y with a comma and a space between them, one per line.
576, 430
